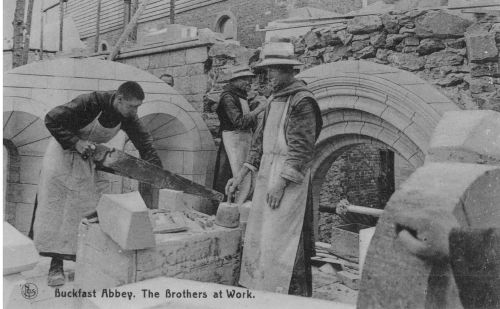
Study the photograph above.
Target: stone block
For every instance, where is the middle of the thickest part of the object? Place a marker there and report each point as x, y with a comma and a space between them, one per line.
440, 24
209, 254
198, 84
480, 85
345, 37
327, 269
125, 218
364, 24
178, 200
410, 62
390, 23
349, 279
393, 39
312, 39
197, 54
485, 69
19, 252
336, 53
411, 41
443, 58
378, 39
481, 47
467, 137
21, 193
174, 200
101, 262
428, 46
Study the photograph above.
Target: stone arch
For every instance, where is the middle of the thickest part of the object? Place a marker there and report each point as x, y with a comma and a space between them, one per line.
30, 91
366, 102
221, 21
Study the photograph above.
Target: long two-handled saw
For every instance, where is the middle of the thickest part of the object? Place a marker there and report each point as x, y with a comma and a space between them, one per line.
120, 163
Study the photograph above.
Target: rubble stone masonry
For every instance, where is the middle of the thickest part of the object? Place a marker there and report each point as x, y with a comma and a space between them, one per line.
458, 56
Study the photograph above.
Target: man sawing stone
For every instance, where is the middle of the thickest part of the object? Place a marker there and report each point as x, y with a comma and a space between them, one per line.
68, 181
278, 238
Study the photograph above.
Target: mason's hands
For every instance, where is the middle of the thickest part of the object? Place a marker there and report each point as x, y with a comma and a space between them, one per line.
85, 148
258, 105
425, 233
275, 193
233, 183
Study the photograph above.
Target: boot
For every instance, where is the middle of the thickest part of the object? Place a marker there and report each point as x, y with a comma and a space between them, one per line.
56, 273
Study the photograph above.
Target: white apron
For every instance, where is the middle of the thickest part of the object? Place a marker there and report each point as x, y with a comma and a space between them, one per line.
66, 191
272, 235
237, 144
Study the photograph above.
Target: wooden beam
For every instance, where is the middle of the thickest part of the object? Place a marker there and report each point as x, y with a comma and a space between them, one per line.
130, 27
61, 24
97, 26
42, 13
26, 47
17, 40
172, 11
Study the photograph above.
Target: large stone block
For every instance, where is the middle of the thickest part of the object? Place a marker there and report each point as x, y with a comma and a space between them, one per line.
101, 262
178, 200
410, 62
428, 46
485, 69
19, 252
195, 55
467, 137
364, 24
481, 47
443, 58
440, 24
209, 254
125, 218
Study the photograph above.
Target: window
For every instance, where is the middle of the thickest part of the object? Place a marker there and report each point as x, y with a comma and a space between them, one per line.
103, 46
226, 24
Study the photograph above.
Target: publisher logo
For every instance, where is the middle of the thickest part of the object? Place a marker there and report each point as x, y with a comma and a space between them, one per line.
29, 290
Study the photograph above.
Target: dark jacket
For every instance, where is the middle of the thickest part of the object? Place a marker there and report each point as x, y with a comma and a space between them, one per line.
64, 122
230, 113
475, 261
302, 127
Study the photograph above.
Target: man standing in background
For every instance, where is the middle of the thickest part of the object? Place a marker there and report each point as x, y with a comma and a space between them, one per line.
237, 123
278, 238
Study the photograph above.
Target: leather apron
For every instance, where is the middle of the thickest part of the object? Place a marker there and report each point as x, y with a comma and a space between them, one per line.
237, 145
272, 235
67, 190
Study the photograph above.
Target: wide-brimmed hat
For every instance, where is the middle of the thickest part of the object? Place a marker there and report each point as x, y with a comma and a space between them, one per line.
238, 71
278, 53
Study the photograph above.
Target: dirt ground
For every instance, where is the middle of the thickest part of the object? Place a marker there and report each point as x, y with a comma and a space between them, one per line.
327, 287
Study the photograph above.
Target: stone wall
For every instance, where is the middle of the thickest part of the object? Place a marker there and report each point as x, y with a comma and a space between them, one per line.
458, 56
185, 64
358, 175
198, 68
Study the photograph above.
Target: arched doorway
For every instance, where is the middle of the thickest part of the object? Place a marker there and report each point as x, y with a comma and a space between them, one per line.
30, 91
367, 103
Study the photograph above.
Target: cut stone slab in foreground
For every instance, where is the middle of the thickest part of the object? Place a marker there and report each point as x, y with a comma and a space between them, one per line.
209, 255
125, 218
19, 252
